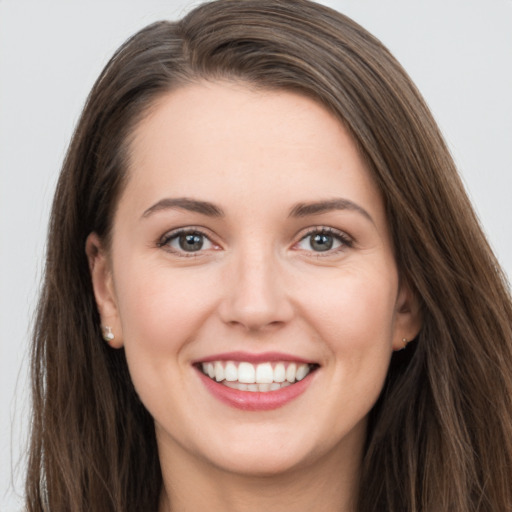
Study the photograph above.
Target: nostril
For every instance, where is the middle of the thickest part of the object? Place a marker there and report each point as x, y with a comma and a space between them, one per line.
254, 295
256, 315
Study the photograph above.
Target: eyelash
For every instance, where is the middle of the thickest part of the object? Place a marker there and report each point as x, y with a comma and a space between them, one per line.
344, 240
164, 242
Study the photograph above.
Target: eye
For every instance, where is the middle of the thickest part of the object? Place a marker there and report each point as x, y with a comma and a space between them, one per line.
186, 241
324, 240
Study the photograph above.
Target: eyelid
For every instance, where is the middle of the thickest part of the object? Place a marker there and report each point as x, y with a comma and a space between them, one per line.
163, 241
345, 239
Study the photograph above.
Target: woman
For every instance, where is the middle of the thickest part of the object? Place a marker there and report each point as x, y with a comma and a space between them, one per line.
265, 285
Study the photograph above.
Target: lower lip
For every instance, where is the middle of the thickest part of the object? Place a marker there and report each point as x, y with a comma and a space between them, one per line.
255, 400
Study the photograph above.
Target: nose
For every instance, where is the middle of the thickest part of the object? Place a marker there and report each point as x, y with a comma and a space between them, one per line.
254, 295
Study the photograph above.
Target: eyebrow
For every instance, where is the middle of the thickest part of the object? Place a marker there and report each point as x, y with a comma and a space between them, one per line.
184, 203
319, 207
299, 210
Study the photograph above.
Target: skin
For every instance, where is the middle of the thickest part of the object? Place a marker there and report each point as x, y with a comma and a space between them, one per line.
257, 285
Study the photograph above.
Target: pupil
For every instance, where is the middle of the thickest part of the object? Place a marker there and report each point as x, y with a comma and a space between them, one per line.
321, 242
191, 242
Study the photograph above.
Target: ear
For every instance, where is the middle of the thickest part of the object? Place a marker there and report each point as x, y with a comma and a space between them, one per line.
103, 286
408, 317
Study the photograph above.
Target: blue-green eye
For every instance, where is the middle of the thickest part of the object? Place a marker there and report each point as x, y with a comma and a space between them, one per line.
187, 242
324, 240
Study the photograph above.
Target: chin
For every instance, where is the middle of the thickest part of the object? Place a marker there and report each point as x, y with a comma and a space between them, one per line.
265, 455
261, 463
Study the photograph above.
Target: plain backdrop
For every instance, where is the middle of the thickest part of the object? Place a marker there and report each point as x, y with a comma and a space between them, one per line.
459, 53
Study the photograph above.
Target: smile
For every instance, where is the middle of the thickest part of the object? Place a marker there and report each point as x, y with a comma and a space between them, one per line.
262, 377
259, 382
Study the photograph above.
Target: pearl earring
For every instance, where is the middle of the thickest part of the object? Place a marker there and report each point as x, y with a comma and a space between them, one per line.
108, 335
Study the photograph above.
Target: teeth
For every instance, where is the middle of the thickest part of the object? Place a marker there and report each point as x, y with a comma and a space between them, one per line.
246, 373
256, 387
236, 385
231, 373
302, 371
219, 371
279, 373
290, 372
261, 377
264, 373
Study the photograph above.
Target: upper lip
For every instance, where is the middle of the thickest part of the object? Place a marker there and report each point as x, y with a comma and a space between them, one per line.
263, 357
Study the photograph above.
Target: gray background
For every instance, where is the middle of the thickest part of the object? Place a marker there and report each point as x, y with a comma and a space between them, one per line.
459, 52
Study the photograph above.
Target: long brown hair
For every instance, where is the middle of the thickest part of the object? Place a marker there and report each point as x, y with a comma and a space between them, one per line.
440, 436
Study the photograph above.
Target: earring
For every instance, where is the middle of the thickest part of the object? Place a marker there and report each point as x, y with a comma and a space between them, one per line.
404, 344
108, 335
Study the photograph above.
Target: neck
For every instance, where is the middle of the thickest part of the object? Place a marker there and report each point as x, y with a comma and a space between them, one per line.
329, 484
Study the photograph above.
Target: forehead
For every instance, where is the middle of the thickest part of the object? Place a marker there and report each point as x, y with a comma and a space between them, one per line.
209, 114
219, 139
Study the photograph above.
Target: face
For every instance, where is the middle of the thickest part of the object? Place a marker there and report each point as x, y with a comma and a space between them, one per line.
251, 280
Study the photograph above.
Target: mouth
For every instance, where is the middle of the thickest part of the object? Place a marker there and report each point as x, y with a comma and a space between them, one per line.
263, 377
256, 382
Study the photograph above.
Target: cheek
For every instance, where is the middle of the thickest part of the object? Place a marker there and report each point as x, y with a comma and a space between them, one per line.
354, 313
161, 309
